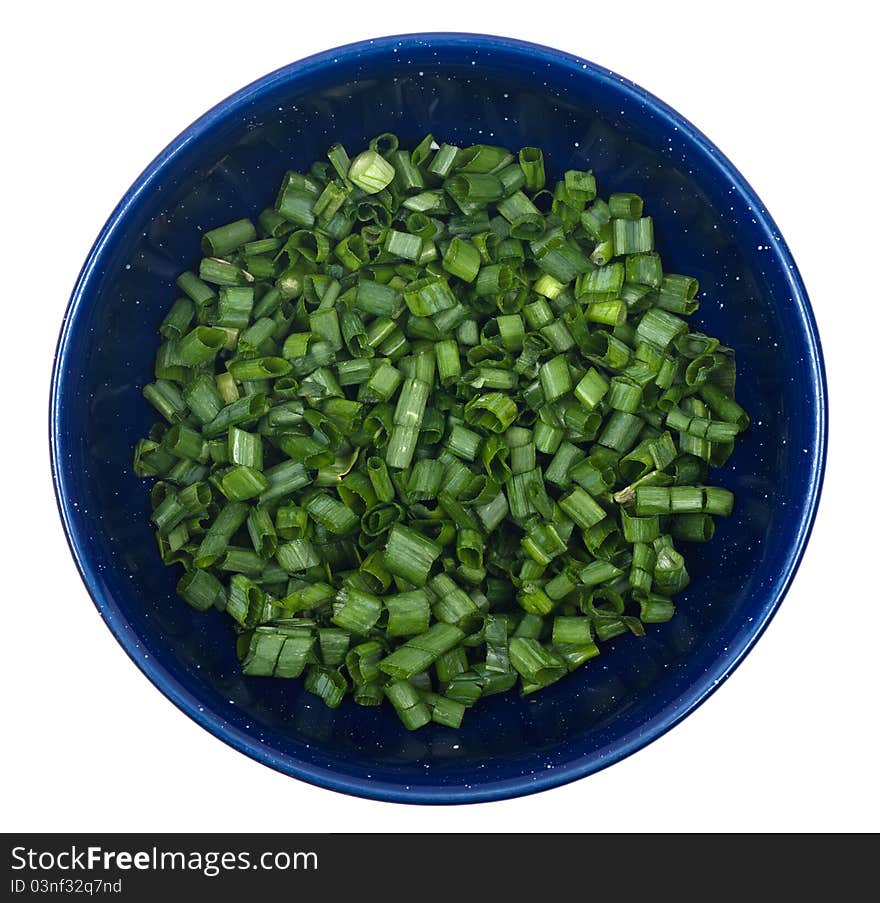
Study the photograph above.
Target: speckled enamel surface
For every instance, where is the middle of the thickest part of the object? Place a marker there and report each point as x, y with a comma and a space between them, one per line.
464, 89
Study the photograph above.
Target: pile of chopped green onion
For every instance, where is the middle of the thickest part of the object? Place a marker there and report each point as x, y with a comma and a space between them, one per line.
434, 427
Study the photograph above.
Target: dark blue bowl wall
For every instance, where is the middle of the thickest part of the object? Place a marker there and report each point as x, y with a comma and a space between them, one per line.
500, 93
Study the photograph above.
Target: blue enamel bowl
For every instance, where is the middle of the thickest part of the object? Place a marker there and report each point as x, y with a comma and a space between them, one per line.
464, 89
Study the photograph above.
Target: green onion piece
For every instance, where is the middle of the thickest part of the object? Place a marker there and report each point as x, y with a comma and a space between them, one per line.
723, 406
377, 300
201, 589
555, 378
640, 529
410, 555
409, 613
445, 711
200, 345
591, 389
601, 283
284, 479
531, 161
408, 704
402, 244
644, 269
326, 683
660, 328
654, 609
296, 653
633, 236
370, 172
462, 259
362, 661
379, 479
178, 319
408, 416
543, 543
225, 239
307, 597
693, 527
453, 606
201, 293
263, 649
597, 572
428, 296
333, 644
218, 536
494, 412
535, 663
358, 612
331, 514
222, 272
579, 505
297, 555
241, 411
425, 479
240, 483
626, 206
419, 653
572, 630
448, 361
244, 601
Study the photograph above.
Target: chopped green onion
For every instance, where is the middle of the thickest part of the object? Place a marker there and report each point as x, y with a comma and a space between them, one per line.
419, 653
536, 664
408, 704
370, 172
359, 611
410, 555
431, 427
531, 161
462, 259
226, 239
408, 613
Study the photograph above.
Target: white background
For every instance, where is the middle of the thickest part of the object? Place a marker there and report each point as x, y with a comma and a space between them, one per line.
93, 91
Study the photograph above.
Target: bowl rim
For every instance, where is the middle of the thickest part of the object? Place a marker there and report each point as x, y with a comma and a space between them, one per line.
522, 785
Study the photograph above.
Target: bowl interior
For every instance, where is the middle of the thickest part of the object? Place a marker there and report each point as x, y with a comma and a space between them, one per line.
464, 90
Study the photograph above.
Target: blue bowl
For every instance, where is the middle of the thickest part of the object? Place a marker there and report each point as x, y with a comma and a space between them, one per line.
464, 89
